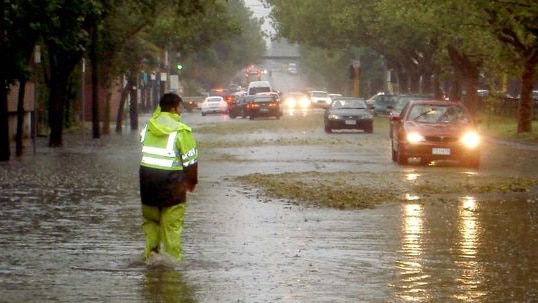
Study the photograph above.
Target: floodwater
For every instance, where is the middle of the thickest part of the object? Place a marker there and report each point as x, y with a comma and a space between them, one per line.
70, 231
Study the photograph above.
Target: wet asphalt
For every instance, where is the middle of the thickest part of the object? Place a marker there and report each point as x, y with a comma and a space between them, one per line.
70, 231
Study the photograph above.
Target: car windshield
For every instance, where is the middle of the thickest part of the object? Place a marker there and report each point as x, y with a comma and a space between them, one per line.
260, 89
428, 113
383, 102
359, 104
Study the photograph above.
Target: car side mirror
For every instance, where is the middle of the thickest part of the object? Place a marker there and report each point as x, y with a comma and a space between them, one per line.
396, 118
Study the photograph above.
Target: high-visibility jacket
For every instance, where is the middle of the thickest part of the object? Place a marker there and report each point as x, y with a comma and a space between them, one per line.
169, 164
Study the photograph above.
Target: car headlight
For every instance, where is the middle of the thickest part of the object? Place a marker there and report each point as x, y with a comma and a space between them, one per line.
470, 139
414, 138
367, 116
304, 102
334, 117
290, 102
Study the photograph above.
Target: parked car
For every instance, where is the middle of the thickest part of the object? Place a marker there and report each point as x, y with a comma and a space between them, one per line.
370, 101
319, 98
382, 104
348, 113
214, 104
435, 130
263, 106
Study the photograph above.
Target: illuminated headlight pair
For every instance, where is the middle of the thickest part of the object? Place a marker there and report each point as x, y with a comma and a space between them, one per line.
338, 117
470, 139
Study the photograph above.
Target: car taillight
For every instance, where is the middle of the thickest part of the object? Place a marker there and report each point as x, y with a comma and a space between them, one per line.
272, 104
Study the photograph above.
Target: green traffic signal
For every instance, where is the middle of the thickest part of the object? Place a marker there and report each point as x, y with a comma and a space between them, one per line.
179, 67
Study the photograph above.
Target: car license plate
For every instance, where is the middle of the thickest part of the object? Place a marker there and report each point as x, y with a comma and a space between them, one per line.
440, 151
264, 110
351, 122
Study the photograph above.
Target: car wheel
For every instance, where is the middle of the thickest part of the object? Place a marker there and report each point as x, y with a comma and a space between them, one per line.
232, 116
369, 129
401, 158
251, 117
203, 114
394, 154
328, 129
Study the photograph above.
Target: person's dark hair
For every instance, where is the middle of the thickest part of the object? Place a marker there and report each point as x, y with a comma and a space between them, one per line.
169, 101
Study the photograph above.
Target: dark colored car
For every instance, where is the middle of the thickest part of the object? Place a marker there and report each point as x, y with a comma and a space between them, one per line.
239, 108
435, 130
263, 106
348, 113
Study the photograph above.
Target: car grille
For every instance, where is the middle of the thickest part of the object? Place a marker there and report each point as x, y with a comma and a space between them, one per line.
441, 139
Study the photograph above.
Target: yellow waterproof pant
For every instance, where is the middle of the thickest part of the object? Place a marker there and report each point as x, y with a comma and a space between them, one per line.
163, 225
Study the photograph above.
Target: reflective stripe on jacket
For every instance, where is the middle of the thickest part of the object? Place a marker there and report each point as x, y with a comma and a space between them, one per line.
163, 153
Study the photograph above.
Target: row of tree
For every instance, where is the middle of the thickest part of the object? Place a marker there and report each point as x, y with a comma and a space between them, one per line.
119, 39
423, 41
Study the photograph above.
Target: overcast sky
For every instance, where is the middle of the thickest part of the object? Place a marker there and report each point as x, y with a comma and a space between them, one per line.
259, 11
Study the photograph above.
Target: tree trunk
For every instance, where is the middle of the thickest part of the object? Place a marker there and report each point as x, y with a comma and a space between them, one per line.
106, 118
470, 81
123, 98
95, 83
133, 109
469, 72
20, 119
5, 151
454, 93
57, 100
524, 121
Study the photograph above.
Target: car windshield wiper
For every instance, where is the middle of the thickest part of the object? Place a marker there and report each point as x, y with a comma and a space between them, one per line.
422, 114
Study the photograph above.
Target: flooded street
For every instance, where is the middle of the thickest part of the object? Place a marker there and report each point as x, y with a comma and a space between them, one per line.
71, 231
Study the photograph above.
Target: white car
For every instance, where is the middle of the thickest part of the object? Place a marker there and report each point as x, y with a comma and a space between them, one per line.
214, 104
320, 98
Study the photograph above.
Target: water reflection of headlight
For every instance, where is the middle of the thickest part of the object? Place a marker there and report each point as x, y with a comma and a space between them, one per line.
470, 139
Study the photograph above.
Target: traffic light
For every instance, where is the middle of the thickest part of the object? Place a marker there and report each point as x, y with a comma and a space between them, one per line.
179, 67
